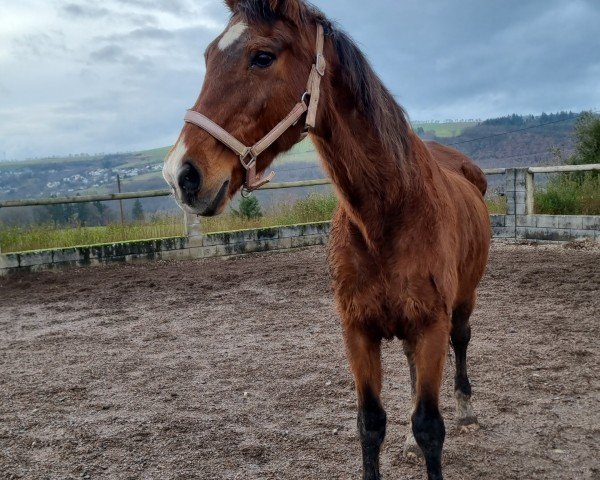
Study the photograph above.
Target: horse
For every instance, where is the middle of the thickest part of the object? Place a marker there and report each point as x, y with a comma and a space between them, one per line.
409, 241
452, 159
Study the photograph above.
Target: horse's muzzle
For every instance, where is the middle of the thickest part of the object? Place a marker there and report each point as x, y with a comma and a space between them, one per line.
192, 200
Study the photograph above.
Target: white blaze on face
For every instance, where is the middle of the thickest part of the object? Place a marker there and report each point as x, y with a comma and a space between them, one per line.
232, 35
174, 162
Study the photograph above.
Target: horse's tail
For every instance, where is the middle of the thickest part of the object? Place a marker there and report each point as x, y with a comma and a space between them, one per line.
475, 175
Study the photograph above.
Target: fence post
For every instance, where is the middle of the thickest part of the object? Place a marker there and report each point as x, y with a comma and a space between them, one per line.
530, 193
193, 230
510, 179
120, 201
519, 196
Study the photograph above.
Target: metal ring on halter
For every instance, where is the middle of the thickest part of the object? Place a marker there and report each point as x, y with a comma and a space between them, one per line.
252, 161
304, 95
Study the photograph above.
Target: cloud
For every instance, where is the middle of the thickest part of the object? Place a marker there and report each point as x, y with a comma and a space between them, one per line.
145, 33
111, 54
173, 7
84, 11
36, 45
118, 75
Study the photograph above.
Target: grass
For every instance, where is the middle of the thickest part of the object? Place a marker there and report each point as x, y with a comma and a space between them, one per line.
19, 239
314, 208
570, 194
497, 204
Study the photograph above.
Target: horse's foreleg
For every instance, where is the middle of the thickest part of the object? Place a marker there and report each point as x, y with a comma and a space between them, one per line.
461, 335
430, 349
411, 449
364, 355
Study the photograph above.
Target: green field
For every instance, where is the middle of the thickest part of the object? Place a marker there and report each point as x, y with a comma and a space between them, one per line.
444, 130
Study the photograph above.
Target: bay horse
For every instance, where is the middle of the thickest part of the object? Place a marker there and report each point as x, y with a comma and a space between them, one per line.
410, 238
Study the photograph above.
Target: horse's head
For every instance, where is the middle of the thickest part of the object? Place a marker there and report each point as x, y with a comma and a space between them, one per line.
256, 72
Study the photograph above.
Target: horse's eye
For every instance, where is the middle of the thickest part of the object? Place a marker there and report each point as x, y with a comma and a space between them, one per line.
263, 59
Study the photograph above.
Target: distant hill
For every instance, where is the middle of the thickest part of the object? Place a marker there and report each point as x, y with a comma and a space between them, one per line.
507, 141
515, 140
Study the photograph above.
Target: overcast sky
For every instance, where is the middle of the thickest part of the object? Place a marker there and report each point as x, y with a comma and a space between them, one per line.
89, 76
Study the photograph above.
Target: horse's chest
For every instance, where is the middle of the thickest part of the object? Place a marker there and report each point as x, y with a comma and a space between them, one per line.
378, 298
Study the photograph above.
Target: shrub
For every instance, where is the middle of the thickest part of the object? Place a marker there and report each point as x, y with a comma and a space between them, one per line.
565, 195
249, 208
576, 193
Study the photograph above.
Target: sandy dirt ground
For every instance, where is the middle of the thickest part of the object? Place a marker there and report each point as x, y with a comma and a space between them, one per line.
235, 369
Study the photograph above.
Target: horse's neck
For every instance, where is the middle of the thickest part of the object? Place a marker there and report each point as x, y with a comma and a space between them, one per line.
373, 185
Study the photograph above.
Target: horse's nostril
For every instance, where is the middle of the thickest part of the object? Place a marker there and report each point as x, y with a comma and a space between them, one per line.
189, 179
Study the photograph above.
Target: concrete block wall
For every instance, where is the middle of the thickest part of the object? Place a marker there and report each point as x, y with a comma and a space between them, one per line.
521, 222
558, 227
93, 255
193, 246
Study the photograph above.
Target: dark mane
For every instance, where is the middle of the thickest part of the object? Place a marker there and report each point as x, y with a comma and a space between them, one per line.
373, 99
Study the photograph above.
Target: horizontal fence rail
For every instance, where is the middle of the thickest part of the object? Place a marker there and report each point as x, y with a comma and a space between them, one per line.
566, 168
36, 202
33, 202
302, 183
494, 171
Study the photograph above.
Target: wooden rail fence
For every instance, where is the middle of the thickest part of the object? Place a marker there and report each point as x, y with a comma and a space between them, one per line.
519, 222
30, 202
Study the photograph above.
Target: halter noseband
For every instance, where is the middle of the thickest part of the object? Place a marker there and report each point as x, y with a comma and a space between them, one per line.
248, 155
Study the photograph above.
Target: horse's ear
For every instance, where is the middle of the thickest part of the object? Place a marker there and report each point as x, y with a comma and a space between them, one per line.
290, 9
231, 4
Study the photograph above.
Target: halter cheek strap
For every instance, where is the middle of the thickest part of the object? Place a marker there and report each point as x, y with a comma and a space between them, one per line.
249, 155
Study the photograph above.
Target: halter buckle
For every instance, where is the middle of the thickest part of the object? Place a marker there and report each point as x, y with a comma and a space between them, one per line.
244, 156
321, 64
253, 180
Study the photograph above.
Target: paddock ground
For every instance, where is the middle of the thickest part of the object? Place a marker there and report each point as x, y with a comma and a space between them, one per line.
235, 369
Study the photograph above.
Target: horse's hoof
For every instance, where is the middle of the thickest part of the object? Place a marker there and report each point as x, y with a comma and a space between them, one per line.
412, 451
468, 425
467, 420
372, 476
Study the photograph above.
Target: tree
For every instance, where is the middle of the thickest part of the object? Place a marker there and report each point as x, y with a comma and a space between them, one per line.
587, 137
60, 214
137, 212
55, 213
249, 208
83, 214
575, 193
70, 210
101, 211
